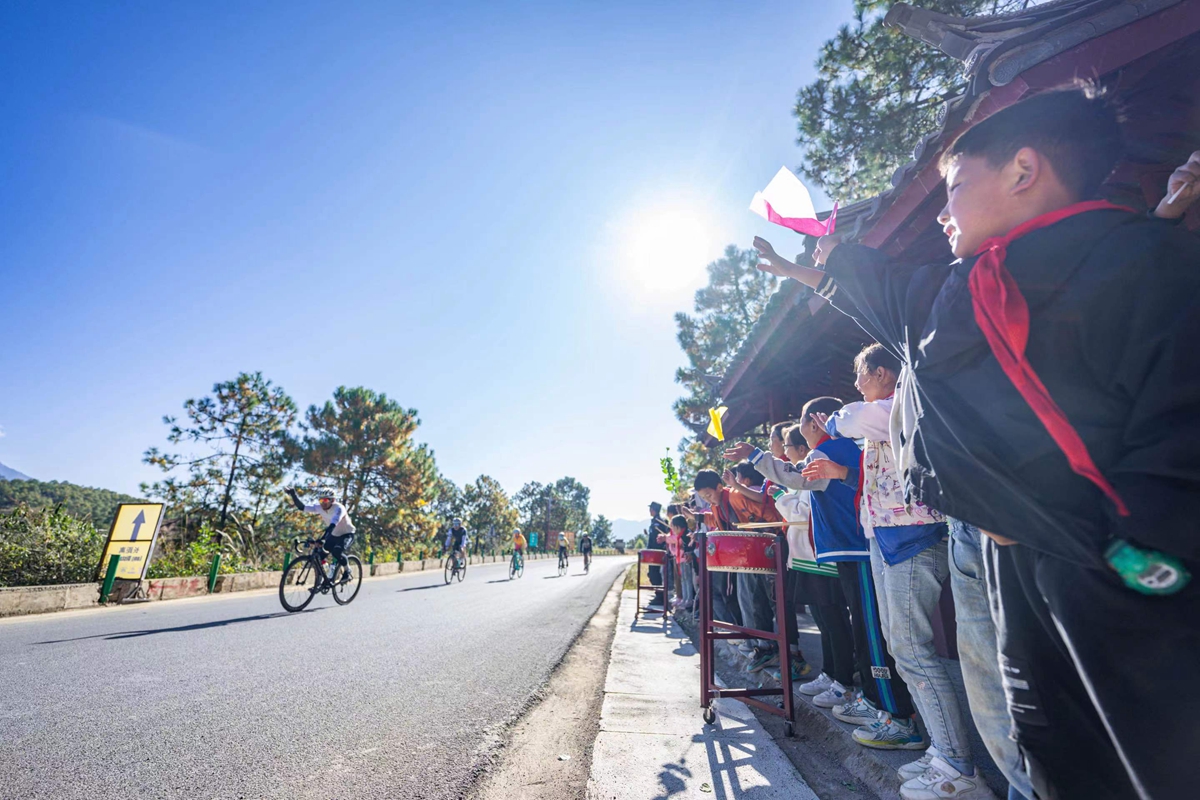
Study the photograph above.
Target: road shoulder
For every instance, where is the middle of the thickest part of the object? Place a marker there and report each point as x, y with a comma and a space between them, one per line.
548, 751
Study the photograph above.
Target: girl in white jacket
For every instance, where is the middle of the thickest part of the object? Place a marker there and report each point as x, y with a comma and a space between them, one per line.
909, 564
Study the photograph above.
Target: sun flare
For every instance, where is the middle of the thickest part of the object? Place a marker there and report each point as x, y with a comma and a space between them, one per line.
664, 249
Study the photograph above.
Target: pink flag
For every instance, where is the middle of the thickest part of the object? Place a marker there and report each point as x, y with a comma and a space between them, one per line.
786, 202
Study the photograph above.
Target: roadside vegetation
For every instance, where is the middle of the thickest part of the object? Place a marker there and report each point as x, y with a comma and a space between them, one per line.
225, 462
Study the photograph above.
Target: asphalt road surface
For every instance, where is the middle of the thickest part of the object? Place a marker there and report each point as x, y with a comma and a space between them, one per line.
402, 694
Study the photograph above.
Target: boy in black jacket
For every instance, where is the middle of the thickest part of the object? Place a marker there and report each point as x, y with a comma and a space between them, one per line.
1051, 396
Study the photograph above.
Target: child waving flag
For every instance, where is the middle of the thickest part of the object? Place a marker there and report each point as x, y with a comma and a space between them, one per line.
1050, 396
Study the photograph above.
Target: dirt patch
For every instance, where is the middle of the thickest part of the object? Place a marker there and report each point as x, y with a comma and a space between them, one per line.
564, 722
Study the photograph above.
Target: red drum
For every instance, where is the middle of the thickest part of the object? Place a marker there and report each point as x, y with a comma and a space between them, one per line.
741, 551
649, 556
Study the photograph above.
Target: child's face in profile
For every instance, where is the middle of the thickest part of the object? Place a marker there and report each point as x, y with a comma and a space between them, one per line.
976, 207
777, 446
875, 385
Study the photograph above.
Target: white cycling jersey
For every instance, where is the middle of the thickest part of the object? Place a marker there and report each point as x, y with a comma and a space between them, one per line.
336, 515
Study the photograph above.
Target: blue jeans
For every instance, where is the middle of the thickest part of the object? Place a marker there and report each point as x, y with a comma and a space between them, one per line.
908, 594
754, 595
687, 581
977, 653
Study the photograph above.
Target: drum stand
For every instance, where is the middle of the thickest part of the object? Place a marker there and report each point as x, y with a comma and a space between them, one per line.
711, 630
658, 559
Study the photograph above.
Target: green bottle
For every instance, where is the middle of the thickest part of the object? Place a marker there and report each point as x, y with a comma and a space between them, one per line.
1147, 571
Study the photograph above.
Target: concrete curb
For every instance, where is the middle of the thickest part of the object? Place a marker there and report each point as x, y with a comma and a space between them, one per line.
18, 600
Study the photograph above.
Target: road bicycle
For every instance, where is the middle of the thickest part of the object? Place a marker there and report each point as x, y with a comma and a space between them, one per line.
456, 567
562, 564
516, 566
587, 561
306, 576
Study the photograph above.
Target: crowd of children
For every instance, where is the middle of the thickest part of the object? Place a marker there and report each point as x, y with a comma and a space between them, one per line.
1028, 431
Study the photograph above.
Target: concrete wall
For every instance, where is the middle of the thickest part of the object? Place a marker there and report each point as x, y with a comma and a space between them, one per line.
39, 599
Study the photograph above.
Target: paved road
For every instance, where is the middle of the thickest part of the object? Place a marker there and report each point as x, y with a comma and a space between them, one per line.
398, 695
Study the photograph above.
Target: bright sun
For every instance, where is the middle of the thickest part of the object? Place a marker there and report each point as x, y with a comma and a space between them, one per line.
664, 249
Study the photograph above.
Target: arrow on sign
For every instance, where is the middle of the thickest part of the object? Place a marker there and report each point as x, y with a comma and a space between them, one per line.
138, 522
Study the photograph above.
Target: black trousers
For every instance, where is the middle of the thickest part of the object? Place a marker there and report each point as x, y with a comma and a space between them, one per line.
336, 546
791, 592
724, 598
881, 682
1101, 681
832, 616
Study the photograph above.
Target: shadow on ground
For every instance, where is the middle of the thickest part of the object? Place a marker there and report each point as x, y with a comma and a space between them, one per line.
219, 623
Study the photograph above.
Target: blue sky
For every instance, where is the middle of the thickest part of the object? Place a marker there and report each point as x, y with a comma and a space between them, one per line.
489, 211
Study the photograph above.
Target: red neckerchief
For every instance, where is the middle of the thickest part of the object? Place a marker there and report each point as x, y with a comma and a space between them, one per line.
1003, 315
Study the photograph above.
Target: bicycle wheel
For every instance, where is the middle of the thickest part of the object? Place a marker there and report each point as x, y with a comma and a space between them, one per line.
512, 568
349, 581
521, 568
298, 584
462, 571
449, 572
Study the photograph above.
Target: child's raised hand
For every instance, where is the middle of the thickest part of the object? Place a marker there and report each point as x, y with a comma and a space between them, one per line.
728, 477
824, 469
1184, 187
825, 246
739, 451
770, 261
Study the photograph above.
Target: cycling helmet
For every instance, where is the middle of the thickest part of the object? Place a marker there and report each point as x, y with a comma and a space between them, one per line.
325, 492
456, 522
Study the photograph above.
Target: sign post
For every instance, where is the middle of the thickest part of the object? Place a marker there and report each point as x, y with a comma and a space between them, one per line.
132, 537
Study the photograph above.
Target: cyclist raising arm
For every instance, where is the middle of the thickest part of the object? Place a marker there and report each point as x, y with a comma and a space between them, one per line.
339, 529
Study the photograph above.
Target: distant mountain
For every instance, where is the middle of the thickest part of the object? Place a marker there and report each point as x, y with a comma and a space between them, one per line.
84, 502
629, 529
10, 474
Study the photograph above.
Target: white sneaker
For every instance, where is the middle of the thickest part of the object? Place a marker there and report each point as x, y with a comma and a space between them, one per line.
889, 733
860, 711
941, 781
815, 687
834, 695
912, 770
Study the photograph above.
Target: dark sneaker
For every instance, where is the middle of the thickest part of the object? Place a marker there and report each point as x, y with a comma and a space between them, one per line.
761, 659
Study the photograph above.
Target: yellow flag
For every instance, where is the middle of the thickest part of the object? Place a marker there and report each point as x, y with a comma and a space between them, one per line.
714, 427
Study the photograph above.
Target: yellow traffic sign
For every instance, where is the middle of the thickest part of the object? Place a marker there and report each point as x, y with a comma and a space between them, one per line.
132, 537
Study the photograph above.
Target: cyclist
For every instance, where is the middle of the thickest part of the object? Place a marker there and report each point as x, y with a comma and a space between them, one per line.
562, 548
585, 547
457, 541
339, 529
519, 544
